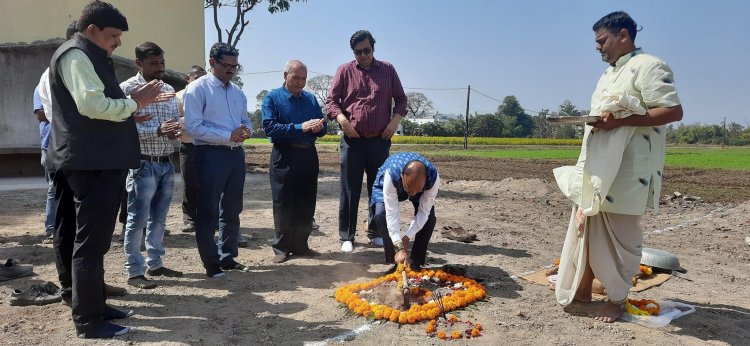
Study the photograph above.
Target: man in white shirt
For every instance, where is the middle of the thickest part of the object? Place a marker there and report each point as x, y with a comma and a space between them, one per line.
405, 176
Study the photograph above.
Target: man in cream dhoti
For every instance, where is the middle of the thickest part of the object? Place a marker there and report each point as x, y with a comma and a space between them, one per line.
619, 170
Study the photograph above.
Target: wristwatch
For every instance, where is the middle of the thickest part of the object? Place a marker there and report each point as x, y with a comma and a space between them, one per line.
399, 246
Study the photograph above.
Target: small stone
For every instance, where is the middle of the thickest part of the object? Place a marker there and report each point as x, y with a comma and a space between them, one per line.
747, 241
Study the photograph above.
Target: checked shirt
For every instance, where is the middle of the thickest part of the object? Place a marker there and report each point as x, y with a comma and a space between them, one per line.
151, 143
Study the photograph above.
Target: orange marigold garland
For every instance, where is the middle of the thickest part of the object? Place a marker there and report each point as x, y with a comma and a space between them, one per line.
464, 292
642, 307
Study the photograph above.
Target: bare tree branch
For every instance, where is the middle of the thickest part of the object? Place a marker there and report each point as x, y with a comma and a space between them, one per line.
417, 104
215, 5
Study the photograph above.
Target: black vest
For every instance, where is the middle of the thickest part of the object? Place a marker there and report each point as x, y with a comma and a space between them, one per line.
78, 142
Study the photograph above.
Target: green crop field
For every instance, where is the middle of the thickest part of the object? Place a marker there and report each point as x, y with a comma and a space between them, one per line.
735, 158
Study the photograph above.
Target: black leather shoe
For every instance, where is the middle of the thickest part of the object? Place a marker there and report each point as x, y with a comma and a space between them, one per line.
234, 266
111, 313
100, 330
215, 272
279, 258
164, 271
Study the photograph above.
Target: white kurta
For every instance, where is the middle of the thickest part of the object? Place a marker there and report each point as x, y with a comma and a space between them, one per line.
612, 238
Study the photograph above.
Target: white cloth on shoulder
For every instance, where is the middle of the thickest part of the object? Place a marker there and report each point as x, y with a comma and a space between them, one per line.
588, 182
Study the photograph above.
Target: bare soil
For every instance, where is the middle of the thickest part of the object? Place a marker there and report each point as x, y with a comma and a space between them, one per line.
513, 206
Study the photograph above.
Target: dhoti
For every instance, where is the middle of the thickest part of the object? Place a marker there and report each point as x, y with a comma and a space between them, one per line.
613, 244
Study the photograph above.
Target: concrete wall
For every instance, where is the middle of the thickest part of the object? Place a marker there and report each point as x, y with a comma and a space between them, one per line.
30, 31
175, 25
21, 66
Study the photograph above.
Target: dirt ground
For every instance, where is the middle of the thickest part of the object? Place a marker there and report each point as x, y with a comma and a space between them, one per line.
513, 206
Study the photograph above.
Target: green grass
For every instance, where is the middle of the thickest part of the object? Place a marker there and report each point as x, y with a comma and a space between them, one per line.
736, 158
513, 152
701, 157
709, 157
257, 141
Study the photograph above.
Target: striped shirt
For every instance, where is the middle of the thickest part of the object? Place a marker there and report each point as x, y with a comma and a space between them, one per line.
151, 143
365, 96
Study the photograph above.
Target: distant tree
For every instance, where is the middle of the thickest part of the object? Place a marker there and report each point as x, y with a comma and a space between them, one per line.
486, 125
516, 123
411, 128
259, 98
417, 104
256, 117
319, 86
454, 128
541, 125
436, 130
242, 7
568, 109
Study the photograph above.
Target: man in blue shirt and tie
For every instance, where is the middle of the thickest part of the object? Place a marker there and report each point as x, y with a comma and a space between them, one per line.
216, 118
292, 118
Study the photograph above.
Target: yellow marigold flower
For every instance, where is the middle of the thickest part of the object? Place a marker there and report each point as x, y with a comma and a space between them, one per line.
441, 334
456, 335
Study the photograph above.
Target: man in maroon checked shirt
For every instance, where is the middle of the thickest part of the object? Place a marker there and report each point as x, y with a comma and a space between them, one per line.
360, 99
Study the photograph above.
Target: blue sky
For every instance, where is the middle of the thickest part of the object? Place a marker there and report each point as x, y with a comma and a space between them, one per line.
540, 51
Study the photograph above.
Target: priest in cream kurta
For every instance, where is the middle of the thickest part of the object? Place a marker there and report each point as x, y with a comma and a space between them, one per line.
619, 170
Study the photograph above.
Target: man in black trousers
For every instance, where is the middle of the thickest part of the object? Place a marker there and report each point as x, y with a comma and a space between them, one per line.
292, 118
93, 143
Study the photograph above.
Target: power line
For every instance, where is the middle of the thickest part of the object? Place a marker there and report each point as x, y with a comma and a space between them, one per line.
263, 72
485, 95
493, 98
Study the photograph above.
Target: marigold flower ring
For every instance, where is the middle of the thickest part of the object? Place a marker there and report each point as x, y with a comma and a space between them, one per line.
456, 292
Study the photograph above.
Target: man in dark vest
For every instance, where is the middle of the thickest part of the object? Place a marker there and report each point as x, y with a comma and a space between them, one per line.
405, 176
93, 143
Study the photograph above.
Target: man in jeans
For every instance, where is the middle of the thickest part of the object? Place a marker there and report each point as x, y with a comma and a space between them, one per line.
49, 209
150, 186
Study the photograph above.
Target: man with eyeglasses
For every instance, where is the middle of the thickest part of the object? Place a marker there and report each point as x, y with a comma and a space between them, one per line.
360, 99
405, 176
216, 118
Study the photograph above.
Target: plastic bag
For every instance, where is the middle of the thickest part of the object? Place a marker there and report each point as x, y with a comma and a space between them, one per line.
670, 310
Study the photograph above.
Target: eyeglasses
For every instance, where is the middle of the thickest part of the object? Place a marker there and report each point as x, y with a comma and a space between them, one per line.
365, 51
229, 66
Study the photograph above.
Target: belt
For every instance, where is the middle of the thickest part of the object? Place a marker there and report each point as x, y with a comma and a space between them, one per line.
229, 147
302, 145
370, 134
160, 159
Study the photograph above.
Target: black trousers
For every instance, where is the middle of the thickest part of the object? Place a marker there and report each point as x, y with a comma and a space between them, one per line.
418, 253
294, 186
188, 170
221, 181
87, 203
123, 209
357, 157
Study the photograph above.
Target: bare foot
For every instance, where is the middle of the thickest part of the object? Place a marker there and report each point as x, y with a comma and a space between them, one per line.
583, 294
609, 312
